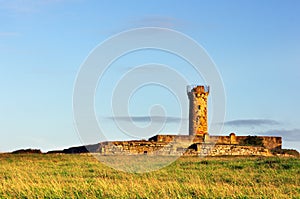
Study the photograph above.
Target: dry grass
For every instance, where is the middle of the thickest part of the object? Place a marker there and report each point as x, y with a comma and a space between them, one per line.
82, 176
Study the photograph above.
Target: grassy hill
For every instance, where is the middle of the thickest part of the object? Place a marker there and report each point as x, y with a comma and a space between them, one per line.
82, 176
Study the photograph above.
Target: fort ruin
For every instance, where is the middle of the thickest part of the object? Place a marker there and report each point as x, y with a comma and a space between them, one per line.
198, 142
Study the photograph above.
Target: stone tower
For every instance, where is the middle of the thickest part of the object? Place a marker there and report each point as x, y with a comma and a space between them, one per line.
198, 110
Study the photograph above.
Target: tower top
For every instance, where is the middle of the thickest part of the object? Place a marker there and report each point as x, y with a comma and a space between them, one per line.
198, 89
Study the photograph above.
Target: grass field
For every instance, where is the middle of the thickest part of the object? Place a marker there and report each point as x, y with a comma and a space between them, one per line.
82, 176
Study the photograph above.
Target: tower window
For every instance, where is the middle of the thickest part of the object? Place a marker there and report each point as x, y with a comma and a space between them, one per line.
198, 107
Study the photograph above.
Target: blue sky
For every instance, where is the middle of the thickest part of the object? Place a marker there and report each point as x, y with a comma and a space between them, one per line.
254, 44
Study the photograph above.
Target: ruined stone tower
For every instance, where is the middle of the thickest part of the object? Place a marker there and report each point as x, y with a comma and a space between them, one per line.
198, 110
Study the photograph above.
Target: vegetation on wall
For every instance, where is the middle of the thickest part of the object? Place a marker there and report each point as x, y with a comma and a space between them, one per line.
252, 141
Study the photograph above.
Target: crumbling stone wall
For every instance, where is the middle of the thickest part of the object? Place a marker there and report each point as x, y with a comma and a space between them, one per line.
135, 148
163, 148
177, 138
228, 150
269, 142
272, 142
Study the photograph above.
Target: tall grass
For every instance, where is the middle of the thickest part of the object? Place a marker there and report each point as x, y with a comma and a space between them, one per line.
82, 176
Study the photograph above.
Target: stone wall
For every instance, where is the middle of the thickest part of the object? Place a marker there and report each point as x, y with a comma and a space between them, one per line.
272, 142
183, 145
134, 148
227, 150
163, 148
177, 138
268, 142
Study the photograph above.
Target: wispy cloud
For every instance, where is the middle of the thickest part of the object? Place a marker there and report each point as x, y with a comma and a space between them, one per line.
252, 122
287, 134
156, 119
159, 21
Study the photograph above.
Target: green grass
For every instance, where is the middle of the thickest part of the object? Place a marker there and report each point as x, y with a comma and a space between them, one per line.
82, 176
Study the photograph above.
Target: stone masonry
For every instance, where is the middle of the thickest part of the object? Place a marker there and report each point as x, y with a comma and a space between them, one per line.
198, 110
